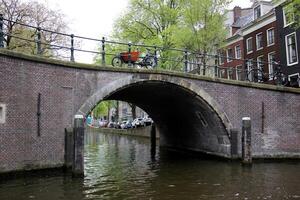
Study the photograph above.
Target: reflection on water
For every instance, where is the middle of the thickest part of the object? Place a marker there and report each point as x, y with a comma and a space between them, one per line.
121, 167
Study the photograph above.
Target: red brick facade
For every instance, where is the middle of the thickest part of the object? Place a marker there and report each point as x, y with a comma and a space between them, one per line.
265, 50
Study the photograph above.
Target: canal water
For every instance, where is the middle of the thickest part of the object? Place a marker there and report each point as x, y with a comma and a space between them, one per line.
123, 167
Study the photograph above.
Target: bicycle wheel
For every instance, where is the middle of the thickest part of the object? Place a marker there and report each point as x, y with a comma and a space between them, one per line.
116, 62
150, 62
280, 79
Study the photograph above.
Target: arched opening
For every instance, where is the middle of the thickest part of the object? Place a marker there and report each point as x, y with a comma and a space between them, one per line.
186, 118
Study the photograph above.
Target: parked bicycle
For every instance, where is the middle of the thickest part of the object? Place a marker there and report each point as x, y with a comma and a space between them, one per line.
136, 58
257, 74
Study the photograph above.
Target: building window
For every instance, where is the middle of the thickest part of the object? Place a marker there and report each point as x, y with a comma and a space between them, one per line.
270, 36
221, 58
294, 80
291, 49
230, 74
257, 12
260, 66
259, 41
2, 113
249, 45
249, 64
229, 55
271, 60
222, 73
238, 52
288, 17
239, 72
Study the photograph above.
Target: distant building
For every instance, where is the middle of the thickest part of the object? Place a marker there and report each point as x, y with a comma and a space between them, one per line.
125, 111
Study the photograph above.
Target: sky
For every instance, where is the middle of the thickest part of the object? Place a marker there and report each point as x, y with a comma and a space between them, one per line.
95, 18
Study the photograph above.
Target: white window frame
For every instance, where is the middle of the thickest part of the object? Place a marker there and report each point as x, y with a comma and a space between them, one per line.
221, 56
286, 50
289, 77
260, 65
227, 53
248, 66
236, 55
2, 113
236, 71
230, 69
271, 65
247, 47
268, 39
284, 18
262, 46
254, 16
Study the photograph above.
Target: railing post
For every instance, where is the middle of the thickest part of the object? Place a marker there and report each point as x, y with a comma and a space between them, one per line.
103, 50
1, 32
38, 41
245, 71
129, 54
72, 48
216, 65
155, 56
185, 60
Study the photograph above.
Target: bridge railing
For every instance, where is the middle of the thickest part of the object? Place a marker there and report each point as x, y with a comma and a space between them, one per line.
48, 43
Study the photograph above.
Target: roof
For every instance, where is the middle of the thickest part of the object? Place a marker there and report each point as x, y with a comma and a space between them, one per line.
243, 20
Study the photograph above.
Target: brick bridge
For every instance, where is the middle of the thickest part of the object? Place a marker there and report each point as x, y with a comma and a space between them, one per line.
191, 112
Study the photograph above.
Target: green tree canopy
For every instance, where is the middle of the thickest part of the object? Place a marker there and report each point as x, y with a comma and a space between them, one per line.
192, 24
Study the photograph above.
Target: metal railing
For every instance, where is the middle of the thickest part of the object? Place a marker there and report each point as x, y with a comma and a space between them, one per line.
182, 59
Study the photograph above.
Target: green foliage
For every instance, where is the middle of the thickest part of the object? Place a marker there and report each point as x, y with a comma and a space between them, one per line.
294, 11
102, 109
192, 24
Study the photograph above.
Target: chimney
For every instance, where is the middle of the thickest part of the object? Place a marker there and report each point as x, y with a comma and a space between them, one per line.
237, 13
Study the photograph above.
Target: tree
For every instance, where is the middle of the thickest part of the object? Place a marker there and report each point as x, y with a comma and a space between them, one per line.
192, 24
37, 15
294, 10
201, 28
149, 22
103, 108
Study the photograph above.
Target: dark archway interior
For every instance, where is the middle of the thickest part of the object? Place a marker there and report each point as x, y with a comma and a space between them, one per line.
184, 120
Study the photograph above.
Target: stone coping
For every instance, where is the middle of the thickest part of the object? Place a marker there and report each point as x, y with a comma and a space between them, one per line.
96, 67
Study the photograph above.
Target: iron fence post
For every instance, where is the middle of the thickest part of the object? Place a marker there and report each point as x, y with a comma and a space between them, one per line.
103, 50
38, 41
155, 56
72, 48
1, 32
129, 54
185, 60
245, 71
216, 65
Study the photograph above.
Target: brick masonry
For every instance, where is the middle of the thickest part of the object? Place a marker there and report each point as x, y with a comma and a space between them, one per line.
67, 89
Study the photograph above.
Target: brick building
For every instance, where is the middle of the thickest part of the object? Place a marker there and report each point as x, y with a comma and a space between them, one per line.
261, 43
289, 43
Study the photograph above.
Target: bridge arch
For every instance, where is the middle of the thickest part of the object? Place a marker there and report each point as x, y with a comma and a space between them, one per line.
186, 116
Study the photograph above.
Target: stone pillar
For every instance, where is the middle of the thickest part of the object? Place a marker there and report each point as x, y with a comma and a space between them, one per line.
234, 143
246, 141
77, 166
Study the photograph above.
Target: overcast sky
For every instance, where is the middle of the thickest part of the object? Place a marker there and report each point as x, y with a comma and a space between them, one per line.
94, 18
